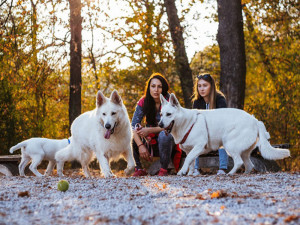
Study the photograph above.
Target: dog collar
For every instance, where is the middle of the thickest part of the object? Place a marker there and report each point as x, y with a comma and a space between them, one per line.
186, 135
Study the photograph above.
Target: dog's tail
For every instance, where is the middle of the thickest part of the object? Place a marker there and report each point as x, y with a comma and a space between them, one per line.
22, 145
64, 154
266, 149
265, 132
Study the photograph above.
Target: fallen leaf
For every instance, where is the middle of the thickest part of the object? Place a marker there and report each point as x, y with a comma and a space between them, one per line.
222, 207
164, 186
23, 194
291, 218
218, 194
199, 196
215, 194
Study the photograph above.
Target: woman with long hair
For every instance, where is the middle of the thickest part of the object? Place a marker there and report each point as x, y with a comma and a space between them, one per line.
151, 140
206, 96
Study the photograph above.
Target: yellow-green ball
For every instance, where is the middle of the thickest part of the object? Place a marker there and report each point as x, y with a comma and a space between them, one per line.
63, 185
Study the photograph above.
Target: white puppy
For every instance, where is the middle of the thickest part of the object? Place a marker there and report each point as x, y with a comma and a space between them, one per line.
106, 130
38, 149
201, 131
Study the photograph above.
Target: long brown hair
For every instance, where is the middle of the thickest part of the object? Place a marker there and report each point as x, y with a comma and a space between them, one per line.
213, 90
149, 104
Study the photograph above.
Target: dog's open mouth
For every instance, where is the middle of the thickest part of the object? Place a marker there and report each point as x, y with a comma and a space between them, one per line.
169, 128
109, 132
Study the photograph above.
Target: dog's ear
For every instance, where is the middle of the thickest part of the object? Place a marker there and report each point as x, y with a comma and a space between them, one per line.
100, 99
173, 100
116, 98
163, 101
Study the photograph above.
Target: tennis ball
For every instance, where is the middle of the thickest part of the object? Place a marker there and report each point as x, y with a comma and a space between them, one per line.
63, 185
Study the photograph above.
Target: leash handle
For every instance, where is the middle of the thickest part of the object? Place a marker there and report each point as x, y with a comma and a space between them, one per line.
138, 126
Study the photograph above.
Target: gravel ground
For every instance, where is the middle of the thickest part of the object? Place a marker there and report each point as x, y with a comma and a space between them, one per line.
271, 198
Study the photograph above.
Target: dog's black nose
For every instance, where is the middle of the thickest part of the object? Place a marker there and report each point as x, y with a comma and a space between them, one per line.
107, 126
161, 124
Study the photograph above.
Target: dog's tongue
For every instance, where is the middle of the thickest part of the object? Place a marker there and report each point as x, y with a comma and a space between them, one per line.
107, 134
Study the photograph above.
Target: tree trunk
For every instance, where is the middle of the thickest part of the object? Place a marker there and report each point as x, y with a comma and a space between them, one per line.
75, 60
232, 52
181, 60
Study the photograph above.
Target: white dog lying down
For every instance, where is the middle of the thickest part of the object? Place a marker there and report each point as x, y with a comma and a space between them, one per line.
38, 149
201, 131
106, 130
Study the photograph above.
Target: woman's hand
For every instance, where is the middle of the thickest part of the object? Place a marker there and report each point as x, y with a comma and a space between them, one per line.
144, 132
144, 153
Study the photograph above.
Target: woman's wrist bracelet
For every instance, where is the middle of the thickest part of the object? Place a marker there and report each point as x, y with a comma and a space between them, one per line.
140, 145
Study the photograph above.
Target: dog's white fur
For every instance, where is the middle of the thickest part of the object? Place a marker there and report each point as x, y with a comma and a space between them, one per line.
106, 130
36, 150
236, 130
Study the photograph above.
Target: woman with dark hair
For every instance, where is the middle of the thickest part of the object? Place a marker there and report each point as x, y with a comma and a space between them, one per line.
151, 139
206, 96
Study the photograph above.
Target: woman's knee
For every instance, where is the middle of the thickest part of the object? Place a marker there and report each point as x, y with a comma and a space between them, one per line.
163, 138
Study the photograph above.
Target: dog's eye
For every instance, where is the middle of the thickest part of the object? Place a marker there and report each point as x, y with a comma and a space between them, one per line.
113, 113
104, 114
168, 114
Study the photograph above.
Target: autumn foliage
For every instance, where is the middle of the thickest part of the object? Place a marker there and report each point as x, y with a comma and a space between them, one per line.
34, 62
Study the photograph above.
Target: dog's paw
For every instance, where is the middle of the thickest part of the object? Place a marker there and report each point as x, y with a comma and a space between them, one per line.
61, 175
109, 175
129, 171
181, 173
39, 175
190, 173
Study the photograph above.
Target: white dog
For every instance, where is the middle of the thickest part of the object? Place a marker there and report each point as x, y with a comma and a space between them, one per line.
106, 130
201, 131
38, 149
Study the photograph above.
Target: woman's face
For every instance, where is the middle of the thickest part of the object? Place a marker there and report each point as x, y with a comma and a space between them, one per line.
204, 88
155, 88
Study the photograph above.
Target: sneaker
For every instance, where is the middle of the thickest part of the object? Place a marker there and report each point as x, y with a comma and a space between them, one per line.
221, 172
196, 172
162, 172
139, 172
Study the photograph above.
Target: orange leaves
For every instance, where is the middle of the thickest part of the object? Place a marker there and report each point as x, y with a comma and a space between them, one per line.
215, 194
245, 1
291, 218
160, 186
208, 194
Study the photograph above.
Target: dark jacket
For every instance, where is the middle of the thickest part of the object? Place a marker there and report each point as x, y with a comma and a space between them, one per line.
220, 102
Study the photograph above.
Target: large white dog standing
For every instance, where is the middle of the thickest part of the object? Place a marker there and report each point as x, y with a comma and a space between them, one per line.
106, 130
201, 131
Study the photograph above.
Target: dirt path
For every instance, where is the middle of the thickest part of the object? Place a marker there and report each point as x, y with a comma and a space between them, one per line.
272, 198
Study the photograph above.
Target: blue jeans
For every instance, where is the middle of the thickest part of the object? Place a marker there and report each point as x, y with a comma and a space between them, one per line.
223, 160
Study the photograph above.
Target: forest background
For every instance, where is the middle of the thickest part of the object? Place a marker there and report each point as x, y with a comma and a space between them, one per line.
121, 50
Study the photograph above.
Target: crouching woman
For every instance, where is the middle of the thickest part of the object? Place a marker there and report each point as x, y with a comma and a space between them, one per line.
151, 140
